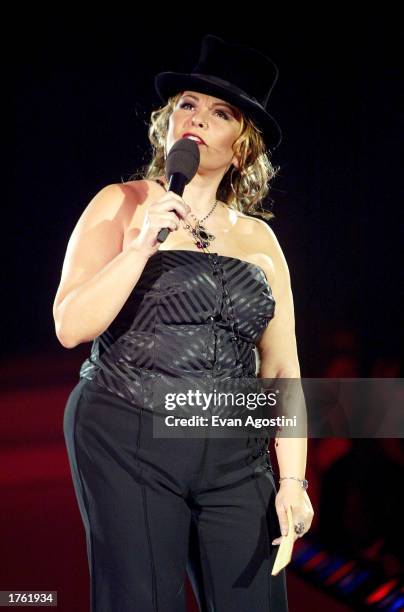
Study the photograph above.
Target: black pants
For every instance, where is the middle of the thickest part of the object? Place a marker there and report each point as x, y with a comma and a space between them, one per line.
156, 508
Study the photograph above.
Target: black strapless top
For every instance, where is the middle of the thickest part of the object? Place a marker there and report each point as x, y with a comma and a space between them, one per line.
190, 313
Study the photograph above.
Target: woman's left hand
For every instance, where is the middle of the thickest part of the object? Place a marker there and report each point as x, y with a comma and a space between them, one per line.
292, 494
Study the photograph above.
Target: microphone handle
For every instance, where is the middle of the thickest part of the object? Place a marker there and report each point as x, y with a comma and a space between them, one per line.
176, 184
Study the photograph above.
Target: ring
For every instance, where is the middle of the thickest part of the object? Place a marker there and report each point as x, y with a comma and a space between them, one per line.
299, 528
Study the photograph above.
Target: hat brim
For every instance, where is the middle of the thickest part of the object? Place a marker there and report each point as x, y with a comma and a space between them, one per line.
168, 84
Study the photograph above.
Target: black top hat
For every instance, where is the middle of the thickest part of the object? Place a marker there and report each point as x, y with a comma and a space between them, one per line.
253, 76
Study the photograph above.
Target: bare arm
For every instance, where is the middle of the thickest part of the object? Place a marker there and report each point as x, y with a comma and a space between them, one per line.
97, 277
278, 354
89, 309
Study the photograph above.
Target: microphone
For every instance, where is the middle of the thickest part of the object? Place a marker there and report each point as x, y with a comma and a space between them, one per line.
181, 166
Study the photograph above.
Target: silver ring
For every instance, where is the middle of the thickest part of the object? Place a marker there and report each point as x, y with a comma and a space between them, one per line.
299, 528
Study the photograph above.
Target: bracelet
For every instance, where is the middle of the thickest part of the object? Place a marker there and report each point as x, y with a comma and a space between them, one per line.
303, 481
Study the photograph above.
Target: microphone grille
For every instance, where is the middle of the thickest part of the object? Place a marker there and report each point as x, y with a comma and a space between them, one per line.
184, 157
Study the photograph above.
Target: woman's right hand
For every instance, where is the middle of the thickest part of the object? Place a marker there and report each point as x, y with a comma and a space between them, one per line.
161, 213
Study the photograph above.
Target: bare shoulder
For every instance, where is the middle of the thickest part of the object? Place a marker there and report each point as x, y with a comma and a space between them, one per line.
142, 186
268, 244
111, 202
138, 195
141, 192
139, 189
264, 233
134, 193
267, 253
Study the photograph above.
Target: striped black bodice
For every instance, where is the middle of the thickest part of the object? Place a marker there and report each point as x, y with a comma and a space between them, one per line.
190, 313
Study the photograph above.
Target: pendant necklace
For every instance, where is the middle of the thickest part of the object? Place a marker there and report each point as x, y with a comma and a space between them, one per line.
202, 237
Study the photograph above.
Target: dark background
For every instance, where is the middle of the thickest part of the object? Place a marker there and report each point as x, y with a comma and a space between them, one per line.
80, 91
83, 92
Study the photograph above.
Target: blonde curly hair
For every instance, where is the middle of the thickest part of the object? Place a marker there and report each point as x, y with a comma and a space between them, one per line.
243, 192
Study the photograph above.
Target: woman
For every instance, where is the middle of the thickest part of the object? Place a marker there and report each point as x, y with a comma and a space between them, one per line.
156, 506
